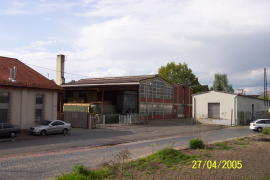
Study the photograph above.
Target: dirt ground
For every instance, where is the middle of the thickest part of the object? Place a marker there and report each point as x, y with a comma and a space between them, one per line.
252, 151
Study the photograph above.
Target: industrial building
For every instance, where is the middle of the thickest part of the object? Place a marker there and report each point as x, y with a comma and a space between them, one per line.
214, 107
149, 96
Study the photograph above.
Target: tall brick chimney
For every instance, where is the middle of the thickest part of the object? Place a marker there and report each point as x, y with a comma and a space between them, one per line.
60, 69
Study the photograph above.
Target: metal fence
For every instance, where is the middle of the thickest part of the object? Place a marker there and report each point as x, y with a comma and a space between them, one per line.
246, 117
109, 119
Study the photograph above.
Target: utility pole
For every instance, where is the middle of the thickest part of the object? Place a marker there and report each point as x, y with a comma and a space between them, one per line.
265, 93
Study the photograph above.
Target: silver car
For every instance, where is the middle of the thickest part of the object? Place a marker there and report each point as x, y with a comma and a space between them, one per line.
51, 127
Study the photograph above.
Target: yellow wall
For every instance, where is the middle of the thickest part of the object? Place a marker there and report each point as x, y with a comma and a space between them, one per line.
22, 105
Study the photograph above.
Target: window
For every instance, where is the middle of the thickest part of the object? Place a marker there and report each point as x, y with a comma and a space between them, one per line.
4, 97
57, 123
39, 99
4, 107
261, 122
39, 112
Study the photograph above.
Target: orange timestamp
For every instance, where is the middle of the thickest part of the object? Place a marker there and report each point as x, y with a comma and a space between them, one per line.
217, 164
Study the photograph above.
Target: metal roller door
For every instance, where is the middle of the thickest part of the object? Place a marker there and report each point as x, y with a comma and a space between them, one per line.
214, 110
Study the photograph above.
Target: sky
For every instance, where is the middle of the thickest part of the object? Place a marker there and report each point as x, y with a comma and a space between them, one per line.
103, 38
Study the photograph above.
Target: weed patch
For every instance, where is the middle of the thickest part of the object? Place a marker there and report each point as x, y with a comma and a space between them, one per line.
222, 146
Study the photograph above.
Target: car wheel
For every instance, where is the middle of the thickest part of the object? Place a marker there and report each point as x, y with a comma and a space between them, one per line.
65, 132
259, 129
13, 135
43, 133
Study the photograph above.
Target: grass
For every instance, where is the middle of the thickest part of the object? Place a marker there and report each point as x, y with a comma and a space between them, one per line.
266, 131
241, 142
82, 173
167, 157
266, 178
222, 146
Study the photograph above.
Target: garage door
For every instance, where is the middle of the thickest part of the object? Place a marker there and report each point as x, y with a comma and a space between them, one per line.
214, 110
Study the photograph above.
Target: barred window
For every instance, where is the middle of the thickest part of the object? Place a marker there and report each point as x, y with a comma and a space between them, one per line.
39, 99
4, 97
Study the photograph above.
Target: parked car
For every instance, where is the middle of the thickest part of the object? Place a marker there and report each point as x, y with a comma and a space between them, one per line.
9, 130
51, 127
259, 124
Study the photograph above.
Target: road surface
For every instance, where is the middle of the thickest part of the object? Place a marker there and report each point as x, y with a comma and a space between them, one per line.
50, 164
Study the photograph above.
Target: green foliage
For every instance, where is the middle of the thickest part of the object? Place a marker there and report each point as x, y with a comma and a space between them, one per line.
196, 143
80, 169
266, 131
221, 83
266, 178
223, 146
168, 157
181, 74
73, 177
82, 173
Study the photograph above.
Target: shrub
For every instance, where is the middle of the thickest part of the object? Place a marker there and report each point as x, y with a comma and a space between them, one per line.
196, 143
266, 131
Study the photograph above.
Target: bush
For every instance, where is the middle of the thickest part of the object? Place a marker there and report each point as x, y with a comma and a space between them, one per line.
196, 143
266, 131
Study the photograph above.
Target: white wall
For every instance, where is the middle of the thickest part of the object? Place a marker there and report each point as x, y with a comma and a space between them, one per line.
22, 105
200, 107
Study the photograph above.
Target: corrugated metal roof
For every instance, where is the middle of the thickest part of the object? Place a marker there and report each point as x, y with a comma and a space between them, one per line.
125, 80
25, 76
242, 95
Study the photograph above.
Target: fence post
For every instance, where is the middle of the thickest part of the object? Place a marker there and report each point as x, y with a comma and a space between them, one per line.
119, 119
104, 119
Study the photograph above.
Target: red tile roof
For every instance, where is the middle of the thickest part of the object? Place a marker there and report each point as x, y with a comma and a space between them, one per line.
111, 80
25, 77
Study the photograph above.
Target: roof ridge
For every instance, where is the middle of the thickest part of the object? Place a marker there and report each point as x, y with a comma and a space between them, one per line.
113, 77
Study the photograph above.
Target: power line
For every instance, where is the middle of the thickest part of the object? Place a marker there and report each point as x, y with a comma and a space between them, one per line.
57, 71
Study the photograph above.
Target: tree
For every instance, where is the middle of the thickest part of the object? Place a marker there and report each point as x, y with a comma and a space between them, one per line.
221, 83
181, 74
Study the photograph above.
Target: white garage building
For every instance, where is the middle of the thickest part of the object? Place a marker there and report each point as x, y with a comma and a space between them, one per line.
213, 107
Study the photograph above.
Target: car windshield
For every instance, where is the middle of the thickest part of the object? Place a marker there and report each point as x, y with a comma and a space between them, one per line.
46, 122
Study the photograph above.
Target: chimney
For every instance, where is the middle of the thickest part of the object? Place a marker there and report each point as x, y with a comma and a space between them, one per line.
12, 74
60, 68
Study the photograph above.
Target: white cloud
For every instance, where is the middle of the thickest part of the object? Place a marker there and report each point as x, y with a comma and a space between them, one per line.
137, 36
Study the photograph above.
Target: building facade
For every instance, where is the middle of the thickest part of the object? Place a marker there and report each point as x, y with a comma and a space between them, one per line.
214, 107
150, 96
26, 97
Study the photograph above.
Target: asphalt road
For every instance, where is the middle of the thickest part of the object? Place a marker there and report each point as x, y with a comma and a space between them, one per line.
25, 144
49, 164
